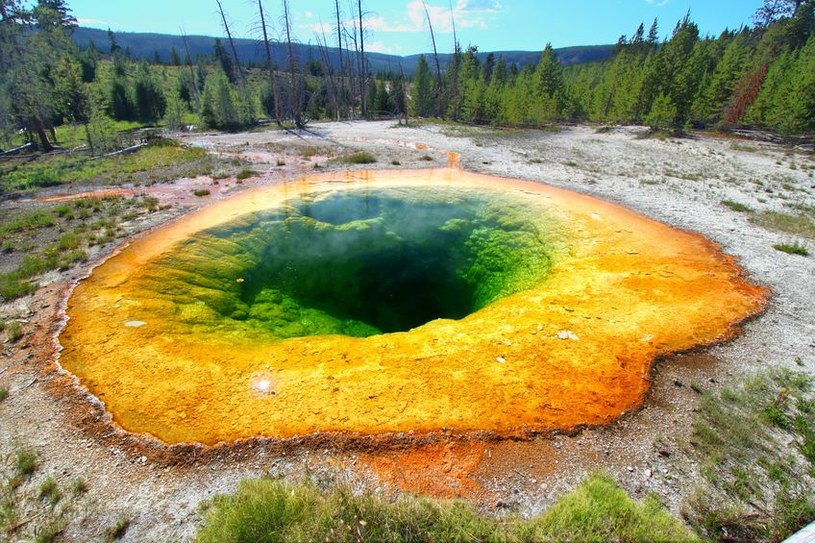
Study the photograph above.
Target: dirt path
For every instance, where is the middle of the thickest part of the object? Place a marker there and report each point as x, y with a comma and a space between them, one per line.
681, 182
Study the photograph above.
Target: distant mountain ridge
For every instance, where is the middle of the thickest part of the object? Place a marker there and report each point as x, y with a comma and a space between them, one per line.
145, 45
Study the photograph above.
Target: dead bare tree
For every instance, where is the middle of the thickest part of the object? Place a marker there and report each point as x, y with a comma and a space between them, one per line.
189, 65
363, 69
322, 47
343, 77
351, 34
296, 85
339, 35
273, 87
438, 90
231, 41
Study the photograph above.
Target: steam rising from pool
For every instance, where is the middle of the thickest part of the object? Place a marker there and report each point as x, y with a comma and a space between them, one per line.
356, 262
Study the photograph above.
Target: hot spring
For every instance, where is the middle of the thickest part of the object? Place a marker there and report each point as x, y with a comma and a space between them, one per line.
394, 302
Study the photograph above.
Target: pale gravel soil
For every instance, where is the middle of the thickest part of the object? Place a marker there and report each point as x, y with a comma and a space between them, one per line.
678, 181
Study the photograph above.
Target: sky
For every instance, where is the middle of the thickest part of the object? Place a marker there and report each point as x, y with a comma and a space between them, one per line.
399, 26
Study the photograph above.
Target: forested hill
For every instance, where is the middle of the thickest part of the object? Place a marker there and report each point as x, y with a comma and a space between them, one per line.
147, 46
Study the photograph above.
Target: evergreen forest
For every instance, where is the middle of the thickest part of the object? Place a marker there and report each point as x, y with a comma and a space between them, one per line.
762, 76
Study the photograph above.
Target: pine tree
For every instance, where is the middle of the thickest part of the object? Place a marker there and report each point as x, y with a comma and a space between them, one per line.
422, 102
149, 99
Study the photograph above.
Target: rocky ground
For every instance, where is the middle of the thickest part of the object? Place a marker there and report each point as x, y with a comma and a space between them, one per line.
155, 493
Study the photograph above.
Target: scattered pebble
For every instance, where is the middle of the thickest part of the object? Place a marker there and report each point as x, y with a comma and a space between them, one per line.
135, 324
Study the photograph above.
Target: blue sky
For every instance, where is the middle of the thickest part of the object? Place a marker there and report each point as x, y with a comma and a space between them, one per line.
399, 27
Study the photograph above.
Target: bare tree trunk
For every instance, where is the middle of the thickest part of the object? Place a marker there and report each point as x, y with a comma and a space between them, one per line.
404, 93
189, 64
342, 55
322, 47
453, 20
353, 85
231, 41
269, 67
436, 60
38, 127
363, 71
295, 92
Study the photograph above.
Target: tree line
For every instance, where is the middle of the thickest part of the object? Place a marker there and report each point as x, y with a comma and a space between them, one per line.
761, 76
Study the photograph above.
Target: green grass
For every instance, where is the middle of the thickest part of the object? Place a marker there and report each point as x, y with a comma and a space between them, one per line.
3, 393
50, 532
360, 157
157, 162
41, 218
798, 225
25, 462
599, 510
791, 248
272, 510
49, 491
736, 206
83, 223
744, 147
201, 192
79, 487
756, 489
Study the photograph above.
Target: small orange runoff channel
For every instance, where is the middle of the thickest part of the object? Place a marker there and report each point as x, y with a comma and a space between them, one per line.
391, 302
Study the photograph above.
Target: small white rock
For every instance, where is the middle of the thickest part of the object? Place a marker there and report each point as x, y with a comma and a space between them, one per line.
135, 324
501, 360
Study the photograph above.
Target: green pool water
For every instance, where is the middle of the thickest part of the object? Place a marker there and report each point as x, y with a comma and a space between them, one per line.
356, 262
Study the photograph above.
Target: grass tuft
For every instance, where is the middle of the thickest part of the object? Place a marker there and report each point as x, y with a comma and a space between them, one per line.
25, 462
360, 157
245, 173
3, 393
201, 192
79, 487
791, 248
736, 206
49, 491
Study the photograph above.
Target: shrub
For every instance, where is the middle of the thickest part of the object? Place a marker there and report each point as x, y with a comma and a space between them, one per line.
360, 157
245, 173
201, 192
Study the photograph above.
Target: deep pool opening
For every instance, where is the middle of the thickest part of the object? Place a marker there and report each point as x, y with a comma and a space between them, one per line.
356, 263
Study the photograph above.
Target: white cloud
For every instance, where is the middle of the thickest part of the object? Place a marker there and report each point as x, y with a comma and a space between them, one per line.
467, 14
657, 3
83, 21
380, 47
